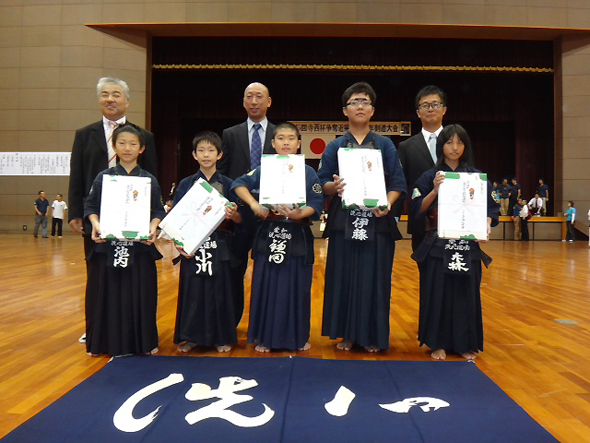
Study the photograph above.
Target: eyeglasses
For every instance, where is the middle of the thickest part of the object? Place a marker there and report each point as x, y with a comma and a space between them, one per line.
433, 105
356, 103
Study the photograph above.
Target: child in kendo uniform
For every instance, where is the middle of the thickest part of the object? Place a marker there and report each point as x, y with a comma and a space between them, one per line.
205, 314
122, 286
280, 302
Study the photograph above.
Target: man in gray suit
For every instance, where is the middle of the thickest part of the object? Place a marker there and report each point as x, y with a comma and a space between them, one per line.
91, 155
418, 153
242, 146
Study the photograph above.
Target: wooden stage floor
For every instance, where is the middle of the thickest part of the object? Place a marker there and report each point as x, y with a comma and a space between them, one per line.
541, 362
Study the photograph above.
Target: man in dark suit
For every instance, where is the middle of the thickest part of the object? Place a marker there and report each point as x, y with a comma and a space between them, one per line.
242, 146
418, 153
237, 140
91, 155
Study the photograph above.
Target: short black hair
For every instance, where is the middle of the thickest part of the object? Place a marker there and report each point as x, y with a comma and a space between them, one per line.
431, 90
208, 137
287, 125
359, 88
571, 202
131, 129
445, 135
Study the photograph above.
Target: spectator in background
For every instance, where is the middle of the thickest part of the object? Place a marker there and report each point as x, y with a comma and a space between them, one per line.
59, 208
543, 191
570, 219
505, 191
536, 205
41, 205
514, 193
524, 218
516, 220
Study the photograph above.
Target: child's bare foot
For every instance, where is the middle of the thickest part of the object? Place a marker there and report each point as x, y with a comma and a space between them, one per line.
345, 345
371, 348
306, 347
152, 352
223, 348
469, 355
261, 348
439, 354
187, 346
90, 354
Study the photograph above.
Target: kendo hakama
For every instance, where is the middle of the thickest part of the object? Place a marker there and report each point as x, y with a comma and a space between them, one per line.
450, 299
122, 286
280, 301
123, 300
357, 292
205, 312
280, 304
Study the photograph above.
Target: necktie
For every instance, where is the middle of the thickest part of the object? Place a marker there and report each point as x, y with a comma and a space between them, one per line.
112, 156
432, 146
256, 151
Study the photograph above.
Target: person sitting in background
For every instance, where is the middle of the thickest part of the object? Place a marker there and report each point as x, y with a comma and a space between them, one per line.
536, 205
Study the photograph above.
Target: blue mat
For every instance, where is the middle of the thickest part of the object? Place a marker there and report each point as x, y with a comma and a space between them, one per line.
184, 399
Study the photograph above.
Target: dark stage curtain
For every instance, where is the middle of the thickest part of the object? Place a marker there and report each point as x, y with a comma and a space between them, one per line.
509, 115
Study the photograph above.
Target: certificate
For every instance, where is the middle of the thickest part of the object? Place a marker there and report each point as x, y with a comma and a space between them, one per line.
282, 180
125, 207
463, 206
194, 218
362, 171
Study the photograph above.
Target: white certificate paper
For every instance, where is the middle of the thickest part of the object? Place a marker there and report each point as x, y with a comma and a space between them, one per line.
362, 171
282, 180
463, 206
194, 218
125, 207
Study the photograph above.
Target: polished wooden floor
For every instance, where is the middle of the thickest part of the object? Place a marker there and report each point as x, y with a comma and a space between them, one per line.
541, 362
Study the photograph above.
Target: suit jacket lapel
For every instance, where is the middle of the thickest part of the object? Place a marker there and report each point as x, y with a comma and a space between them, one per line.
244, 141
268, 149
99, 137
423, 149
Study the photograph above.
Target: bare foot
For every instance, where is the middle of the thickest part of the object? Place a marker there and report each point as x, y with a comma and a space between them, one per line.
223, 348
261, 348
152, 352
187, 346
90, 354
439, 354
306, 347
469, 355
371, 348
345, 345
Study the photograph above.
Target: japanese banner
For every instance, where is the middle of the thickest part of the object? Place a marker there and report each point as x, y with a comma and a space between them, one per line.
316, 135
282, 400
35, 163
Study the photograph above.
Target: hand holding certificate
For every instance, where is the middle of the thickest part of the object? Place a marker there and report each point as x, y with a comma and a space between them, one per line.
282, 180
125, 208
462, 206
362, 169
194, 218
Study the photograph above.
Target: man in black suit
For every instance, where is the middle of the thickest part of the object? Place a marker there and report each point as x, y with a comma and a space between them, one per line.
242, 146
91, 155
418, 153
237, 140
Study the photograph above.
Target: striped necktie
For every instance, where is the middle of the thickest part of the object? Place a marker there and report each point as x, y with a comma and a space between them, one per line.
256, 151
112, 156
